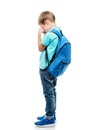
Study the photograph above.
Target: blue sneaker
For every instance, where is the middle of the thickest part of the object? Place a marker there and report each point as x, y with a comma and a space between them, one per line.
44, 122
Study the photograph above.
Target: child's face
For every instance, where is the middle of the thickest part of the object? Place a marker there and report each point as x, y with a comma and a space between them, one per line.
45, 26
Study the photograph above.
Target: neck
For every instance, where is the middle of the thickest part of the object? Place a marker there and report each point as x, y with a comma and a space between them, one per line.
53, 25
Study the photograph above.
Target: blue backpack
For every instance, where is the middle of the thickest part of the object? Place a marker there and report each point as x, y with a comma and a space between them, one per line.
62, 56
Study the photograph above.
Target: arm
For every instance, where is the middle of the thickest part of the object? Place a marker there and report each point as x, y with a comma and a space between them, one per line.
40, 46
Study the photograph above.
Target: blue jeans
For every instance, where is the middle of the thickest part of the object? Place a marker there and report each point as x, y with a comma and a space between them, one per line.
49, 91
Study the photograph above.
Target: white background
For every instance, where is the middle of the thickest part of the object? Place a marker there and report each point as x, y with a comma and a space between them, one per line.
21, 97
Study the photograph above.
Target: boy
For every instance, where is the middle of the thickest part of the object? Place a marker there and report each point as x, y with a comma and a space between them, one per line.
47, 46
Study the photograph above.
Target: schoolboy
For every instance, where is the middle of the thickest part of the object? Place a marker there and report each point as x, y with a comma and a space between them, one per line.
47, 46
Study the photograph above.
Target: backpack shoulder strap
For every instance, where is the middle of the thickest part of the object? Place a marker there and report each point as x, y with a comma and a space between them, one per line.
57, 32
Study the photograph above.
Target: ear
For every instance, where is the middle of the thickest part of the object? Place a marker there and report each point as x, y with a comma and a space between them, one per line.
47, 22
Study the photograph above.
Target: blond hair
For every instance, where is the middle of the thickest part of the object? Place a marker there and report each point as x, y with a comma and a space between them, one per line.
46, 15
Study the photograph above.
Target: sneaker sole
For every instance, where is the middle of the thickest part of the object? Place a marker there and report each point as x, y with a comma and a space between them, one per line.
43, 126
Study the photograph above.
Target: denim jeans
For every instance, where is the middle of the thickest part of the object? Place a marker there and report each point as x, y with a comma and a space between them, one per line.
49, 91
